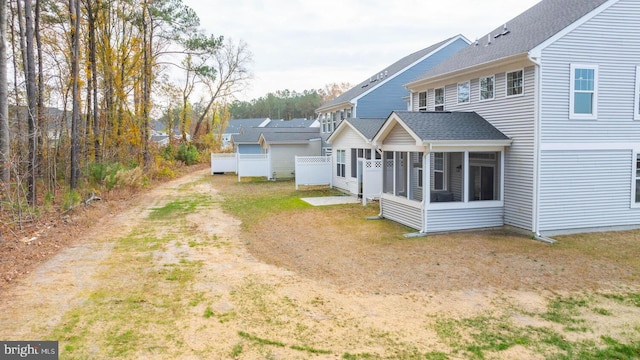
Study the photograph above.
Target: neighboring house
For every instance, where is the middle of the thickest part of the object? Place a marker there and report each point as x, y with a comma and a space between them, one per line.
283, 145
237, 126
298, 122
562, 82
384, 92
351, 143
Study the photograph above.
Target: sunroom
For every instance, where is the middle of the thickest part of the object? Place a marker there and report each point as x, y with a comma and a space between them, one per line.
442, 171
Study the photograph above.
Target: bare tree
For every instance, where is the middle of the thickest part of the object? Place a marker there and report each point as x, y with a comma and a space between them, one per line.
4, 101
32, 106
231, 65
74, 17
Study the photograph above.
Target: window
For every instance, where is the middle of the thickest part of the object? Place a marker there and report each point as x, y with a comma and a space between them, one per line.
486, 88
584, 94
438, 171
340, 163
463, 92
422, 101
355, 155
636, 113
515, 82
484, 175
439, 99
637, 178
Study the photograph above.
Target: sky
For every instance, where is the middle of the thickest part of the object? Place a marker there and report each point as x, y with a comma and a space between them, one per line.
305, 44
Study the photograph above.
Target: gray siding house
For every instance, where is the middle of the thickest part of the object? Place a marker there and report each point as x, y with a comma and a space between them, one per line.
562, 82
384, 91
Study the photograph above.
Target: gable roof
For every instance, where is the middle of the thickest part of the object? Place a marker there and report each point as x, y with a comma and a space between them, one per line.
366, 128
447, 126
299, 122
234, 126
522, 34
289, 135
387, 73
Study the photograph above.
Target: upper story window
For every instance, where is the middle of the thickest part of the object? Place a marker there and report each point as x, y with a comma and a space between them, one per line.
515, 83
486, 87
584, 92
463, 92
439, 99
422, 101
636, 102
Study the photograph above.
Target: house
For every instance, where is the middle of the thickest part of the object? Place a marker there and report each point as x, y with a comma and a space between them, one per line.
298, 122
351, 143
248, 141
237, 126
561, 82
283, 145
384, 91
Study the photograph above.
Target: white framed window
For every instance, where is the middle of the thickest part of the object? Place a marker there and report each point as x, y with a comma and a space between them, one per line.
583, 101
422, 101
636, 101
340, 163
439, 99
636, 180
438, 171
515, 83
463, 92
487, 85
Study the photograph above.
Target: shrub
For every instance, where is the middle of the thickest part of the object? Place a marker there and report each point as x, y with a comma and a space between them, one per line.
70, 200
168, 152
188, 154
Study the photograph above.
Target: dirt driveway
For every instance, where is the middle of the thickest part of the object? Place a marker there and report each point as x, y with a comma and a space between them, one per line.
174, 276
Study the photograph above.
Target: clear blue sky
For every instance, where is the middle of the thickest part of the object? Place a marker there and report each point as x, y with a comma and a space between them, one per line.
301, 45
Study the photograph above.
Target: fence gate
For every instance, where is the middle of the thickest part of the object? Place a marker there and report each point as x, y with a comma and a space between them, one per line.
225, 162
313, 170
371, 180
254, 165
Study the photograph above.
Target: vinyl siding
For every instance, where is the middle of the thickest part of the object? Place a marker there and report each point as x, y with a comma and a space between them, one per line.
283, 157
388, 97
460, 219
586, 189
249, 149
399, 136
399, 212
610, 40
515, 117
347, 139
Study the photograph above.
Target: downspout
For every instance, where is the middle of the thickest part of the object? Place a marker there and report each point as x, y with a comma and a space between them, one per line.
536, 153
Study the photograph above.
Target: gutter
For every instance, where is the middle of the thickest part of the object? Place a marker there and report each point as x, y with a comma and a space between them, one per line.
536, 152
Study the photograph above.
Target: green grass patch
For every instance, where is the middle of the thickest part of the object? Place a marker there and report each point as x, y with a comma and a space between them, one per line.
259, 340
179, 208
565, 311
310, 349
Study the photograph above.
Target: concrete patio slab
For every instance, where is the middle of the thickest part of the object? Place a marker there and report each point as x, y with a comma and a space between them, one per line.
331, 200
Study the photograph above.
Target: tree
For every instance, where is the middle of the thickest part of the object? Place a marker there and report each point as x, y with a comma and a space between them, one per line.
30, 71
5, 170
332, 91
231, 67
74, 18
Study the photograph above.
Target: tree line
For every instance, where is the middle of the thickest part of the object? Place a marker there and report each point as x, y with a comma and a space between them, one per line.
287, 105
81, 80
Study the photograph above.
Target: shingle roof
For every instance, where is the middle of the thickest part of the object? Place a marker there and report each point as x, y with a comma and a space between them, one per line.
235, 125
367, 127
299, 122
445, 125
292, 135
391, 70
523, 33
252, 135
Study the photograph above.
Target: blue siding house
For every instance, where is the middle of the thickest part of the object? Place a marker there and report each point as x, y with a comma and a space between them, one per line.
384, 91
561, 81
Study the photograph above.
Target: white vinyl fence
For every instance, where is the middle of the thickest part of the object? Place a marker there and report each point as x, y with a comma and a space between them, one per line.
313, 170
254, 165
222, 163
371, 180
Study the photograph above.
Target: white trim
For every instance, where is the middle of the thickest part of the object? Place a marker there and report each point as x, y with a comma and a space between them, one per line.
572, 92
636, 100
536, 52
588, 146
537, 148
443, 171
635, 177
465, 205
389, 78
402, 200
506, 83
468, 83
493, 91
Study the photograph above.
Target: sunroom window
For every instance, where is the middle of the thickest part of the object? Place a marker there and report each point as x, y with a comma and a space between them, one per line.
481, 174
402, 173
484, 176
447, 177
